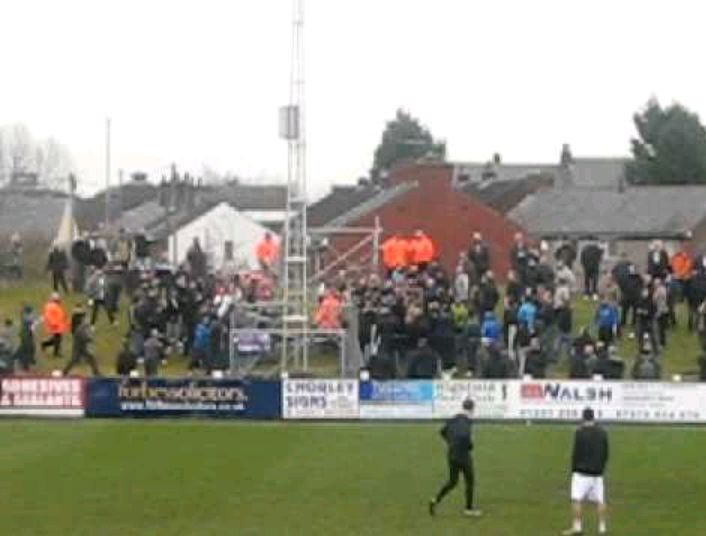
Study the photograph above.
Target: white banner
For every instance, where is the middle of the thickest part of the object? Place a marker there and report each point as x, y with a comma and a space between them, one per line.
320, 399
612, 401
493, 399
43, 397
550, 400
565, 400
662, 402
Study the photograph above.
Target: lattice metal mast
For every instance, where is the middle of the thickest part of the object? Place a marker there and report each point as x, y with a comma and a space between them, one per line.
296, 306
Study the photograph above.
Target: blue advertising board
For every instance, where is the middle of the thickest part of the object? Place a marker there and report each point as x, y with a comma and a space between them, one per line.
162, 397
412, 399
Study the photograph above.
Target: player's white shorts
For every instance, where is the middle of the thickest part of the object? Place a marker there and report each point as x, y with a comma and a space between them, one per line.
587, 488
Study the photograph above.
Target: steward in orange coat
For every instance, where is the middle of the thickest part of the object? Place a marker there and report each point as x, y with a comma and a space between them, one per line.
421, 249
682, 266
56, 324
394, 253
329, 315
267, 252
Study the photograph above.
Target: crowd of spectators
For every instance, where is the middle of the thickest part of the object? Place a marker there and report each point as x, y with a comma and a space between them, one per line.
420, 321
170, 310
416, 320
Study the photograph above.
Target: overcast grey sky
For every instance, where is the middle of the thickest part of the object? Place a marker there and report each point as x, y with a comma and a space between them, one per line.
199, 82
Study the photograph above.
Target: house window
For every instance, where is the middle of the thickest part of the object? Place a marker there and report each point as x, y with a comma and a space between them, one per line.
228, 250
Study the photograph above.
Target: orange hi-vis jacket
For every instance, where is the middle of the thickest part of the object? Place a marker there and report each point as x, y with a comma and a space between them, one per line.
421, 249
682, 265
329, 313
267, 251
394, 253
56, 321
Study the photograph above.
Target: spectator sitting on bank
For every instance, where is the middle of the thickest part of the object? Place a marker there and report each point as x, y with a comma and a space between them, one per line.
646, 366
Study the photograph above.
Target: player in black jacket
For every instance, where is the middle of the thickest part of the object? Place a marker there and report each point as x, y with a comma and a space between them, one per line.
457, 432
588, 463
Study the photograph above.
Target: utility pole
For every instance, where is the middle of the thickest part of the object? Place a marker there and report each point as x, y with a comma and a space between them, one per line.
107, 174
120, 195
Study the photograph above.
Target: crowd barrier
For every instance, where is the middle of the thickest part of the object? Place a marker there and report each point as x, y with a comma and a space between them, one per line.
320, 399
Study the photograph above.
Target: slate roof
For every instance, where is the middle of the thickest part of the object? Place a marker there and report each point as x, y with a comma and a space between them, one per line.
90, 212
504, 195
143, 216
32, 213
638, 212
251, 196
340, 200
587, 172
379, 200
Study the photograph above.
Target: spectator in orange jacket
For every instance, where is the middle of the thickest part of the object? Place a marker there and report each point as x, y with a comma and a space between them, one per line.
682, 265
56, 324
267, 252
394, 253
422, 249
329, 315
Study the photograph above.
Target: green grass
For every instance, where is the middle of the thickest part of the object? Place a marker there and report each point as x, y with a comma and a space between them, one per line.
681, 355
214, 478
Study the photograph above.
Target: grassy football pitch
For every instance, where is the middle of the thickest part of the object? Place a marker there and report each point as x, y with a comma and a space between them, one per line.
216, 478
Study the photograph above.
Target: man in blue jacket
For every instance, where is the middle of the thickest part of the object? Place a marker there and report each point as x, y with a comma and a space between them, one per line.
607, 320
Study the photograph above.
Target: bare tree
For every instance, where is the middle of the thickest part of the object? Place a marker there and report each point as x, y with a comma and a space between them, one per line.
20, 152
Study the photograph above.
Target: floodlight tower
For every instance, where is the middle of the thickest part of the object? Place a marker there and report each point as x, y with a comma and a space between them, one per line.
295, 314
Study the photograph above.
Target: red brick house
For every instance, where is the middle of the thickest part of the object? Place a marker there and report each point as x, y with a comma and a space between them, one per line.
422, 196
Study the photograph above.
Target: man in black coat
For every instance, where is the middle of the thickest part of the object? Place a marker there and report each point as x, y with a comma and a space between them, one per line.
566, 254
83, 336
591, 257
458, 435
658, 265
645, 313
479, 255
57, 264
630, 285
423, 362
488, 295
695, 296
519, 258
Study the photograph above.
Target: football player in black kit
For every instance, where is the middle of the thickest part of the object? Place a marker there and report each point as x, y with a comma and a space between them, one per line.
457, 432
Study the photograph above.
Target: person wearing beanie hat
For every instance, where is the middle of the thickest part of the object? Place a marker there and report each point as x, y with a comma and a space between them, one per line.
457, 433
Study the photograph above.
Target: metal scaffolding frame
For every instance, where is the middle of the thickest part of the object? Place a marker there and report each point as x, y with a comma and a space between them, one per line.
295, 309
370, 237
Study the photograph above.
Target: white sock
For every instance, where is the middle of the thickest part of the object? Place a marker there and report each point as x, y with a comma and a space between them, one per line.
577, 526
602, 529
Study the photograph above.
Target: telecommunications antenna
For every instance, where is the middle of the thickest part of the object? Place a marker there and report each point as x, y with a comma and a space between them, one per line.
295, 313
